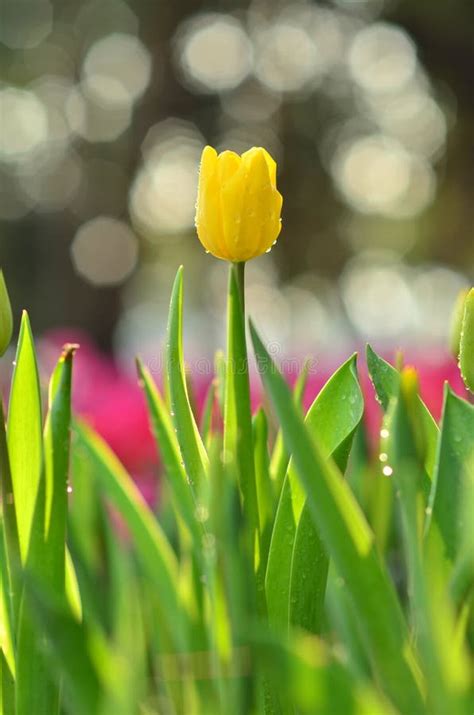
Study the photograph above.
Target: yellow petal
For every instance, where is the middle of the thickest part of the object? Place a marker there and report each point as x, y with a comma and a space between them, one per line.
259, 224
207, 206
228, 162
271, 163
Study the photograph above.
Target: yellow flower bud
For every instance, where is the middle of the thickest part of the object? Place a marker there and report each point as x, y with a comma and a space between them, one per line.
238, 206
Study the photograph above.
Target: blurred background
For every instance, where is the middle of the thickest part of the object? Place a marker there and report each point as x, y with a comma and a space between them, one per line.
367, 105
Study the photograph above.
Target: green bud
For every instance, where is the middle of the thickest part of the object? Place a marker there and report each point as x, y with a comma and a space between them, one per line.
6, 318
456, 323
466, 346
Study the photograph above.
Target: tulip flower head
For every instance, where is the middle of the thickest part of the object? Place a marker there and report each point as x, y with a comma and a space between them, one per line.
238, 207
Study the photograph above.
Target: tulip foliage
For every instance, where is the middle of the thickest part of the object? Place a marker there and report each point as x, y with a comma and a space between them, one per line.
285, 570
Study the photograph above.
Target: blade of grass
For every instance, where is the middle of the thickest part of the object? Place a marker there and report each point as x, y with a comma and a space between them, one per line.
350, 543
192, 449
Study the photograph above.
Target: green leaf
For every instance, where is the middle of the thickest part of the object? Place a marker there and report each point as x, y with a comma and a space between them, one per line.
455, 458
6, 317
308, 579
263, 483
46, 547
56, 461
72, 649
332, 417
207, 412
311, 679
466, 343
280, 458
24, 432
220, 368
192, 449
7, 648
167, 443
349, 541
7, 686
434, 627
11, 563
127, 683
386, 381
155, 553
345, 625
333, 421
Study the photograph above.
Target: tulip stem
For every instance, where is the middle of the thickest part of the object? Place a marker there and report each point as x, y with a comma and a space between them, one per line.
239, 269
238, 434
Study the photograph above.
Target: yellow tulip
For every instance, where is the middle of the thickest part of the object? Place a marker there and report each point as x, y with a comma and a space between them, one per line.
238, 206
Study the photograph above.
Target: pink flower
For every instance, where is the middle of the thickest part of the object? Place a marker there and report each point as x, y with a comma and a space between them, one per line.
111, 402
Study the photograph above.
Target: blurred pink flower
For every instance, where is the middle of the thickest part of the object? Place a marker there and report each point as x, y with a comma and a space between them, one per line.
111, 402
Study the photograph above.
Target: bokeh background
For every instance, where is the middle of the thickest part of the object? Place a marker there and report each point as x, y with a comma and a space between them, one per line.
367, 105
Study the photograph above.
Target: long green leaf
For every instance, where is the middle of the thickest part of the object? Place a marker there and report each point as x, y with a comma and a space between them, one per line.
72, 649
265, 497
46, 548
454, 459
7, 647
11, 563
447, 674
56, 453
24, 432
333, 421
280, 458
155, 553
349, 541
192, 449
466, 343
167, 443
386, 381
332, 417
